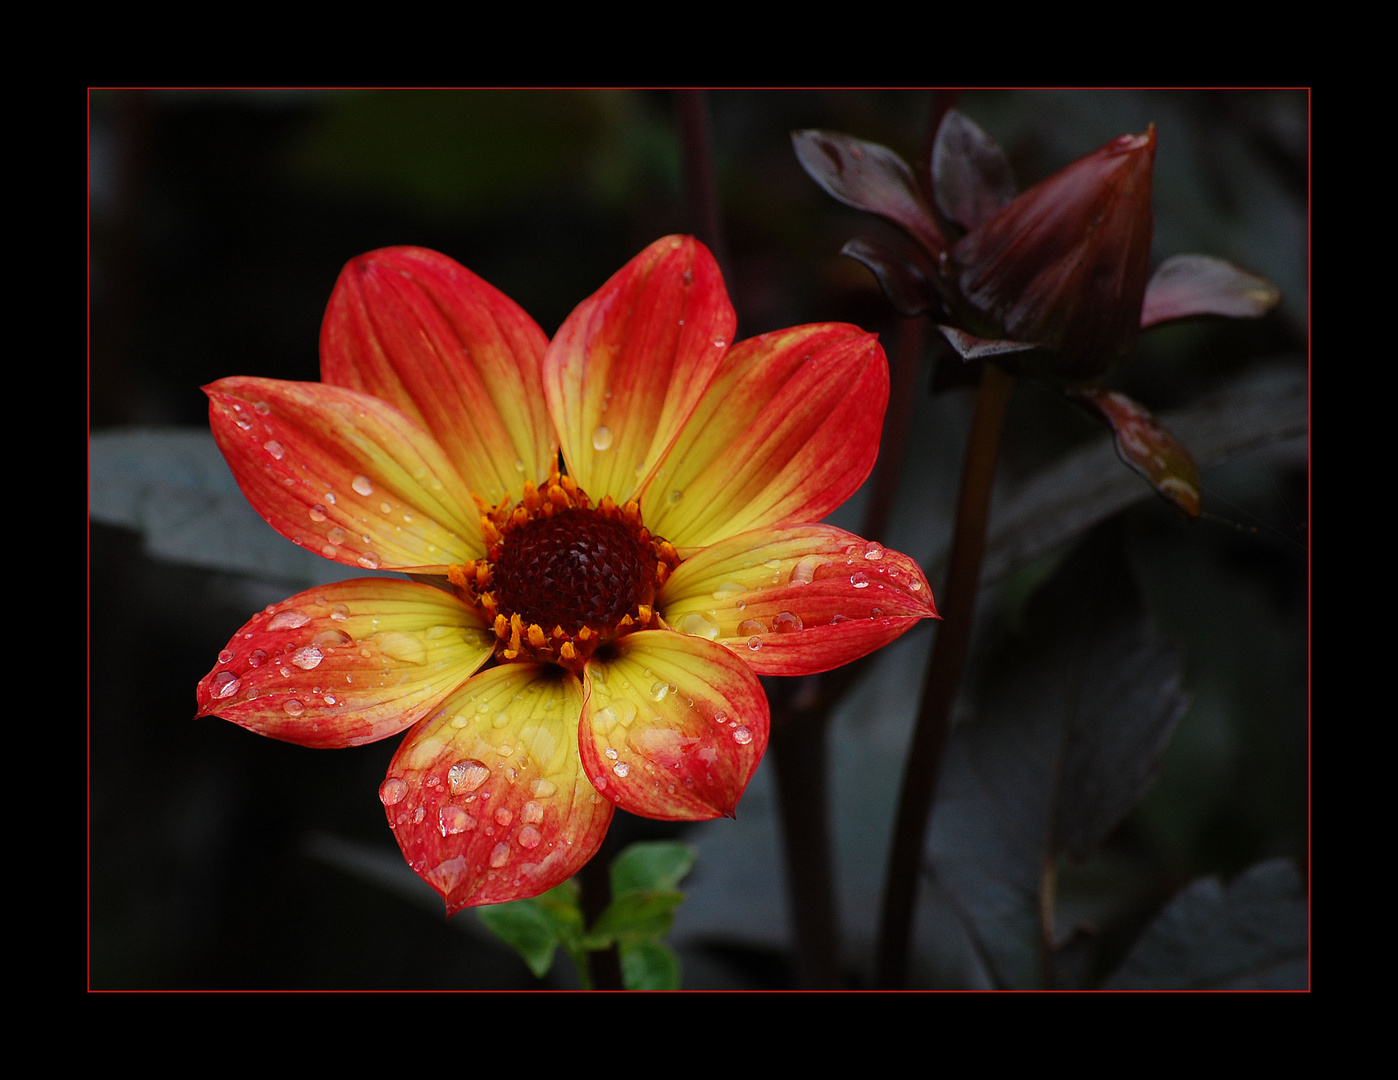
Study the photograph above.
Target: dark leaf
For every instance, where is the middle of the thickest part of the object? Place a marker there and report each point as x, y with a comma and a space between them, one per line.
1189, 285
1065, 740
535, 927
1253, 935
656, 866
899, 274
870, 177
971, 176
1146, 446
649, 965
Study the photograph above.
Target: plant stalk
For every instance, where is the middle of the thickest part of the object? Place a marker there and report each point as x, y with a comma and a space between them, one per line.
943, 678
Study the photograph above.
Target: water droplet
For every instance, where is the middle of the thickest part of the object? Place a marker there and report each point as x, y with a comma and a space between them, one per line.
876, 613
530, 837
307, 657
914, 585
519, 465
720, 717
363, 485
257, 658
369, 561
729, 589
503, 816
330, 497
329, 550
225, 684
467, 775
276, 449
292, 707
500, 855
751, 626
720, 343
329, 699
246, 425
288, 620
600, 781
385, 508
687, 277
621, 769
873, 551
452, 819
225, 656
542, 789
392, 790
699, 625
803, 573
611, 752
332, 639
336, 536
674, 498
660, 690
742, 736
859, 580
318, 513
601, 437
754, 643
532, 813
786, 622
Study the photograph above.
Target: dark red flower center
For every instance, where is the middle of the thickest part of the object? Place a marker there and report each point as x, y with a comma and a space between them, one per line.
561, 577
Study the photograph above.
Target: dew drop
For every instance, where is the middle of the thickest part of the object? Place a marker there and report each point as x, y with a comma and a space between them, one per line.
720, 343
532, 813
859, 580
530, 837
503, 816
318, 513
876, 613
292, 707
330, 497
225, 656
336, 536
542, 789
674, 498
699, 626
621, 769
728, 589
225, 684
720, 717
288, 620
803, 573
786, 622
257, 658
385, 508
276, 449
452, 819
329, 550
262, 408
601, 437
392, 790
369, 561
363, 485
246, 425
519, 465
751, 626
754, 643
329, 699
307, 657
659, 691
742, 736
468, 775
914, 585
500, 855
332, 639
873, 551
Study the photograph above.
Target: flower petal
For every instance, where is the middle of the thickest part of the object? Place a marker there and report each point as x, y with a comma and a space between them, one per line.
1189, 285
797, 600
343, 474
627, 367
452, 353
787, 432
673, 727
488, 799
346, 664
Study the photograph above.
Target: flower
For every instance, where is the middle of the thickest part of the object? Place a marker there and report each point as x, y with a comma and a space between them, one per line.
1053, 282
628, 601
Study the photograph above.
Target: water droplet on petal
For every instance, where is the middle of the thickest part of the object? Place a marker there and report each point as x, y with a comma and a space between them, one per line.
307, 657
601, 437
363, 485
369, 561
754, 643
288, 620
225, 684
751, 626
452, 819
292, 707
529, 837
257, 658
621, 769
276, 449
467, 775
225, 656
318, 513
742, 736
720, 343
873, 551
859, 580
336, 536
699, 625
503, 816
786, 622
500, 855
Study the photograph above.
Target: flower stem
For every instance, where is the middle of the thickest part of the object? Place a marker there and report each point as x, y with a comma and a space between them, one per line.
942, 680
603, 965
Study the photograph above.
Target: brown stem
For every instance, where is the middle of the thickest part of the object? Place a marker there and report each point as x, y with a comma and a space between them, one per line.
943, 677
697, 160
594, 879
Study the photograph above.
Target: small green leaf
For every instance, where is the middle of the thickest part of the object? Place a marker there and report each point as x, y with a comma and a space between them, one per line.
651, 867
535, 927
635, 916
649, 965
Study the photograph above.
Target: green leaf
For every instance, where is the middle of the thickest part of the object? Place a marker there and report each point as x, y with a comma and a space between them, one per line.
657, 866
534, 928
635, 916
649, 965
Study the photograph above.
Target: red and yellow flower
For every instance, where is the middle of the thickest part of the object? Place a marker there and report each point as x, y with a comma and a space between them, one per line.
628, 598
